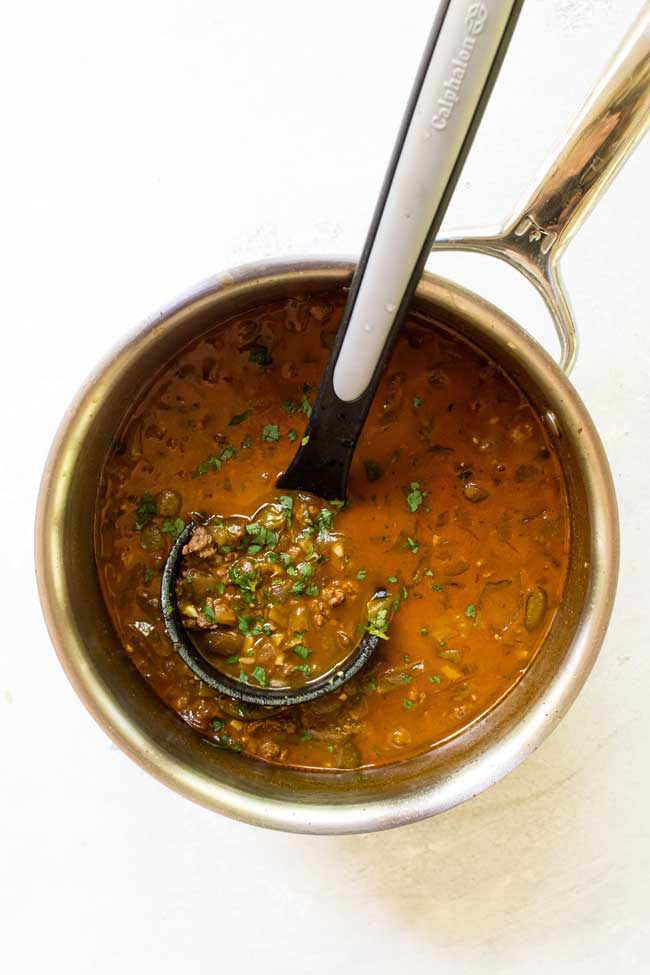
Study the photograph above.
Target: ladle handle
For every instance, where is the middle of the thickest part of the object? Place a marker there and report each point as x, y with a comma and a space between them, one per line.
603, 135
460, 64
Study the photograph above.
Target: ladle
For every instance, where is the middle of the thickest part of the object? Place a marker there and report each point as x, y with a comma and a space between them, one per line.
461, 61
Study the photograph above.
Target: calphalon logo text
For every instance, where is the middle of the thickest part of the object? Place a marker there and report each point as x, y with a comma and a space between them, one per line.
474, 22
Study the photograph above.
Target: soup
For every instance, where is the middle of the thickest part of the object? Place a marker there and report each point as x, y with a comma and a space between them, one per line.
456, 509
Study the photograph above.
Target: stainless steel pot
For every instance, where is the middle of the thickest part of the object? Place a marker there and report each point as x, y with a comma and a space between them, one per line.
123, 703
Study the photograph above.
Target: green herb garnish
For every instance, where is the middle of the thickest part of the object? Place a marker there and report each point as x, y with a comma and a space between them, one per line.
287, 504
239, 418
173, 526
377, 625
145, 511
415, 496
271, 433
412, 544
470, 612
214, 462
260, 675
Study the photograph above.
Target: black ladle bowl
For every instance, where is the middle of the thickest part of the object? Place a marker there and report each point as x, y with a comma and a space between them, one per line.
434, 139
238, 690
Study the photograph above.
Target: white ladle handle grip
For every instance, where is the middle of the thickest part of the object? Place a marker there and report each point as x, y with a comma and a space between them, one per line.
460, 64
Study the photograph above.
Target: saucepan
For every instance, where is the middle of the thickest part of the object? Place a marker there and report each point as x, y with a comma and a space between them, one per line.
368, 799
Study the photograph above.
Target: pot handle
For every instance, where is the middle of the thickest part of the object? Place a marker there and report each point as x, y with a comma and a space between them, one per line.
611, 122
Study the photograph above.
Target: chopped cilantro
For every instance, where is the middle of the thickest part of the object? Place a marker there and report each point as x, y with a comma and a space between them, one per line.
239, 418
415, 496
301, 650
303, 668
325, 523
307, 736
292, 435
287, 503
470, 612
225, 741
148, 575
217, 725
215, 461
245, 623
291, 406
417, 402
145, 511
377, 625
263, 537
208, 612
247, 582
305, 405
271, 433
423, 631
243, 677
361, 574
260, 675
391, 579
412, 544
436, 587
312, 590
173, 526
435, 678
407, 703
305, 441
233, 659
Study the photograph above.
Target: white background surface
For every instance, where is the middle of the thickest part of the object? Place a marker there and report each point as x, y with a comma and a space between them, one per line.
148, 144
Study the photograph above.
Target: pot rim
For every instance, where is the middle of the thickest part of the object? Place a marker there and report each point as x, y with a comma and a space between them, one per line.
317, 817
